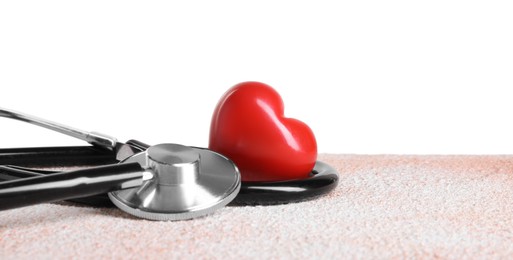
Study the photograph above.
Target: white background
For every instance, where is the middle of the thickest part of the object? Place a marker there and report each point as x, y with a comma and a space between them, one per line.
417, 77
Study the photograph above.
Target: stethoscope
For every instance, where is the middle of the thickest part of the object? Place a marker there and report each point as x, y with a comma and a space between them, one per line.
159, 182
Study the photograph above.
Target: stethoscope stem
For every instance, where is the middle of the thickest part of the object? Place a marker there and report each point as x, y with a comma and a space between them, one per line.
95, 138
69, 185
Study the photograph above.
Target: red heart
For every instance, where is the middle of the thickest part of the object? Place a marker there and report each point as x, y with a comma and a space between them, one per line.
248, 127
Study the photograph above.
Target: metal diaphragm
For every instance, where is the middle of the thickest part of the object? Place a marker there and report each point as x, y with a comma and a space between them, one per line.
188, 182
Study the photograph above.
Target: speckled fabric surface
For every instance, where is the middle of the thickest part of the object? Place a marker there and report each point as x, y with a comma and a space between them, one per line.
386, 206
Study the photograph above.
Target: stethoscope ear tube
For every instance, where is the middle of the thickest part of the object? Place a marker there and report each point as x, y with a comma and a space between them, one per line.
323, 179
69, 185
57, 157
68, 156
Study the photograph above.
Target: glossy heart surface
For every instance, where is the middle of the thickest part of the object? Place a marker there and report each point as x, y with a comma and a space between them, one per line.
248, 126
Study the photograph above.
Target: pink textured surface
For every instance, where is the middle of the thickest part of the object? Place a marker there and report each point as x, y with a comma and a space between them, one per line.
385, 206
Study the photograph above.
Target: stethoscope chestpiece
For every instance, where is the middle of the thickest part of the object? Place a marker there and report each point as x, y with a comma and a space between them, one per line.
188, 182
